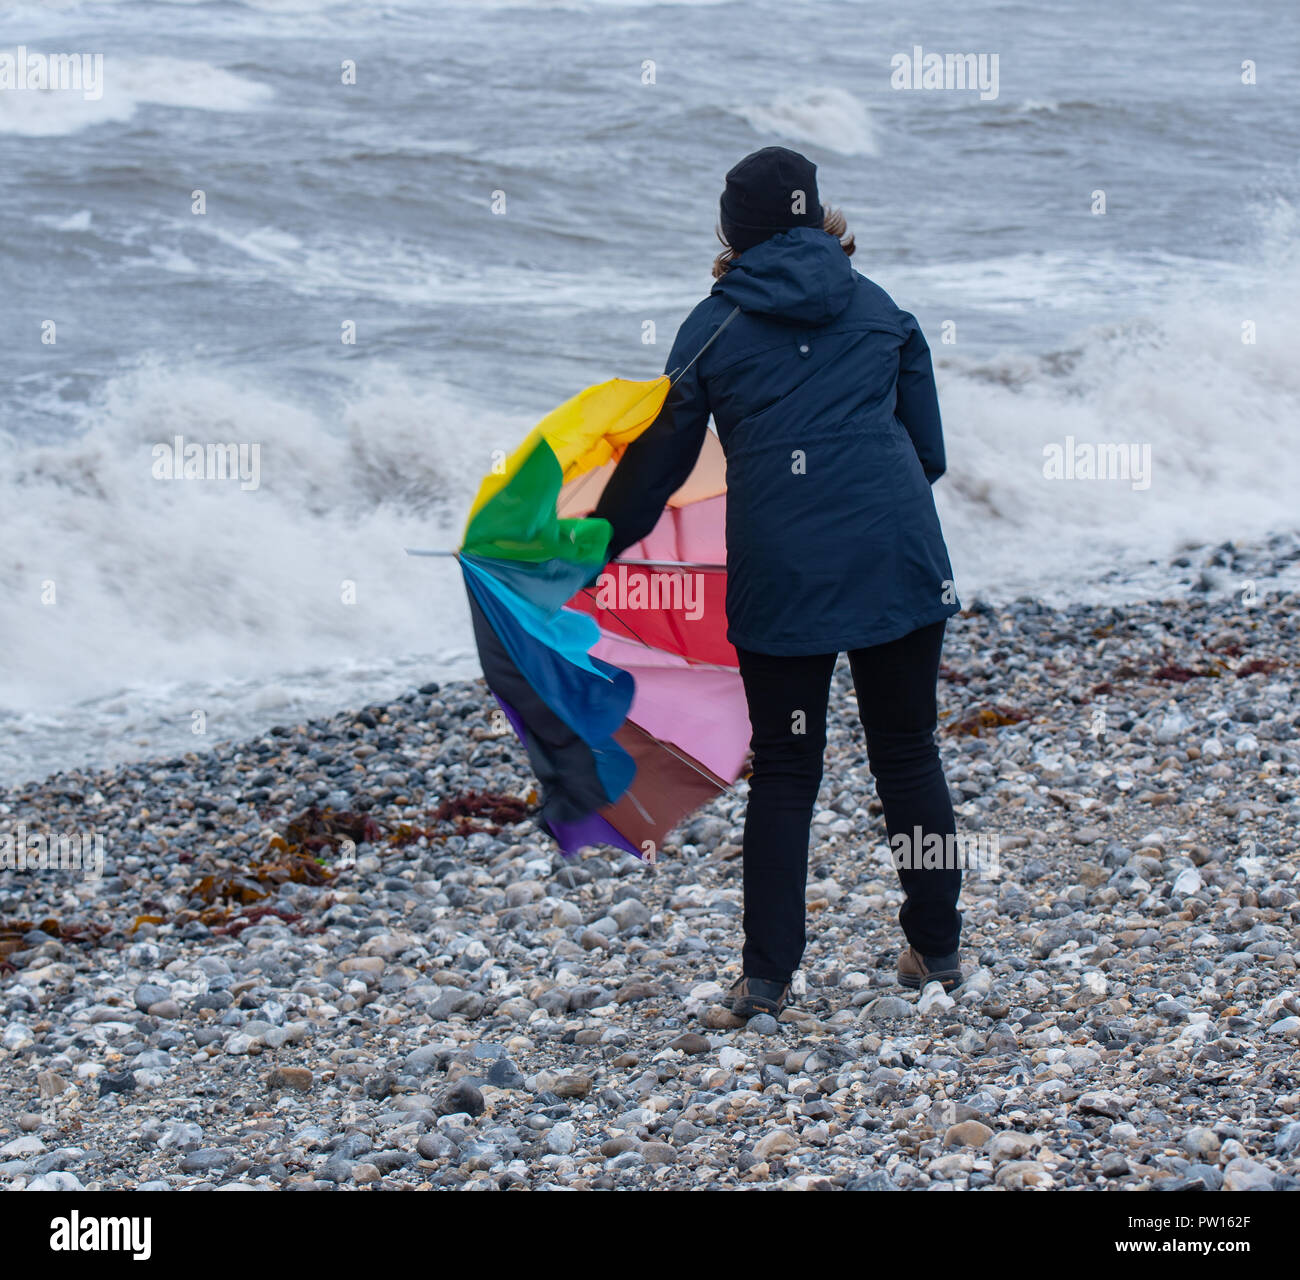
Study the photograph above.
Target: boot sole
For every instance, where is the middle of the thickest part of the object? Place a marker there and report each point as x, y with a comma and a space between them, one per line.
752, 1008
945, 977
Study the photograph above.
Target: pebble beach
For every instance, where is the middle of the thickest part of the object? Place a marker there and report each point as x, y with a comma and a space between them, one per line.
341, 956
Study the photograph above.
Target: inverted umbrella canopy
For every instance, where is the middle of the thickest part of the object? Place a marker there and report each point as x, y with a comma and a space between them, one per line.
625, 693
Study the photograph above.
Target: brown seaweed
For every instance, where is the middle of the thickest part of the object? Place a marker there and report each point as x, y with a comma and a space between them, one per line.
458, 813
1259, 666
989, 716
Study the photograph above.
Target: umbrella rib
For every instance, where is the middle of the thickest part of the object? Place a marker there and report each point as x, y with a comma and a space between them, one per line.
673, 378
645, 644
672, 564
704, 773
693, 663
641, 809
587, 592
582, 481
646, 396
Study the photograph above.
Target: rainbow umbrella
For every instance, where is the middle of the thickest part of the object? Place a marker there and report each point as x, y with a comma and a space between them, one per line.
625, 693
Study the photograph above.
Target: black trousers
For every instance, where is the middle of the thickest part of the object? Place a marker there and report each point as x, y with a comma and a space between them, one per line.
787, 698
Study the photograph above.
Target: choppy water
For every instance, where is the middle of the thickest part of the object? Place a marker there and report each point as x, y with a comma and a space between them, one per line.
371, 203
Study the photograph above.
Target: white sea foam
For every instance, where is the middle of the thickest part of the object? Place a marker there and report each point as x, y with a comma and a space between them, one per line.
406, 271
167, 581
128, 84
178, 596
583, 6
1056, 280
830, 118
1218, 414
79, 221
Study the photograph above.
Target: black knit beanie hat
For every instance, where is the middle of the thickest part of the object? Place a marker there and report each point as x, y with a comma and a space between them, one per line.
762, 193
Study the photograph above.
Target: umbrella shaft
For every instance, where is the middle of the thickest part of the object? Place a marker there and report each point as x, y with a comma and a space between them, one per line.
660, 564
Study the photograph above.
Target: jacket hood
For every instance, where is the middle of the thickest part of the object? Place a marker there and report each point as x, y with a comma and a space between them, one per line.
801, 275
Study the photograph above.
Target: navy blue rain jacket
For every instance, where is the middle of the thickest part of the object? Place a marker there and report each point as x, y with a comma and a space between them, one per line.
823, 395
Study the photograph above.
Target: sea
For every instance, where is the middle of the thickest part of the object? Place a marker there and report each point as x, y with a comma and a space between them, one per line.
373, 243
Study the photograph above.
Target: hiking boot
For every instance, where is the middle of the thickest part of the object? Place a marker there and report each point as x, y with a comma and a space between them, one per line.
915, 970
751, 996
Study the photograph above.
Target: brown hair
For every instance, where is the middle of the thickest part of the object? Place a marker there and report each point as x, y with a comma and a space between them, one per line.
833, 223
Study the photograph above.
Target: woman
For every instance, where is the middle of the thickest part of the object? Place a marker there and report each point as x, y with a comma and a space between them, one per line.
824, 399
